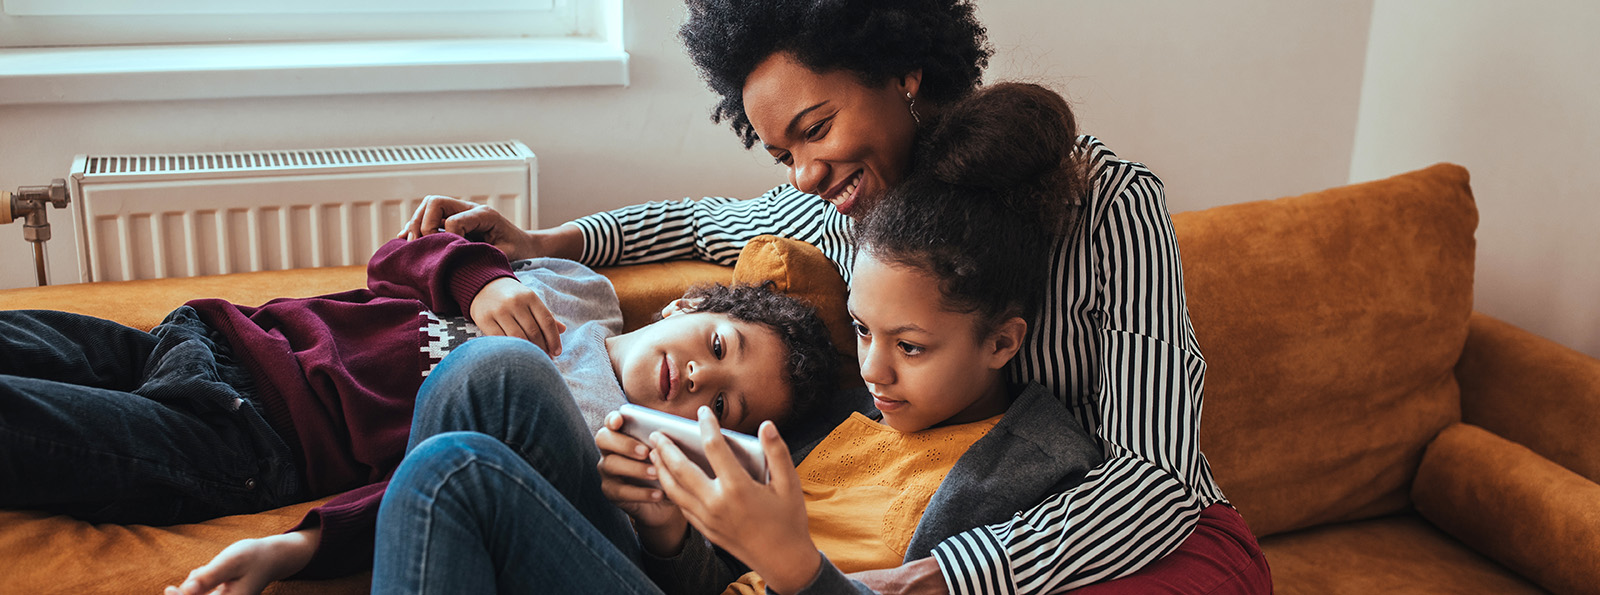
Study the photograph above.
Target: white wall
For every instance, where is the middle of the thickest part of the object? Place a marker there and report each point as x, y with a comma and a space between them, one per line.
1511, 91
1228, 100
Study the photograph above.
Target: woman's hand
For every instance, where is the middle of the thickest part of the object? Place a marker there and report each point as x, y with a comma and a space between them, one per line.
249, 565
763, 525
920, 577
506, 307
624, 476
464, 218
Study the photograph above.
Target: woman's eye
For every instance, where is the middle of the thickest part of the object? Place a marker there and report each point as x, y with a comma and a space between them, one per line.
861, 330
909, 349
817, 130
784, 159
719, 405
716, 346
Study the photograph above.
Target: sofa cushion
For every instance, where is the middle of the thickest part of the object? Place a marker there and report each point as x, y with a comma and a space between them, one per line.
59, 554
1330, 323
799, 269
143, 304
1392, 555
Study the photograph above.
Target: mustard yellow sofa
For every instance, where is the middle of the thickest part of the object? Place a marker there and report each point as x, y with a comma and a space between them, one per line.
1378, 434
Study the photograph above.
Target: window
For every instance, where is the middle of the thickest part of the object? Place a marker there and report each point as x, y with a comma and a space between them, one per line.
52, 23
54, 51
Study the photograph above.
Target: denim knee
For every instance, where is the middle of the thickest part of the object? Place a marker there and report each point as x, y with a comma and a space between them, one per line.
486, 371
442, 455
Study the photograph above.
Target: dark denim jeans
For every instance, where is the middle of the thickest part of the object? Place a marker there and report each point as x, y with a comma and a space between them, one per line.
112, 424
514, 509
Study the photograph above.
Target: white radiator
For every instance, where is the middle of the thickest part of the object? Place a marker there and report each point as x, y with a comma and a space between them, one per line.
182, 215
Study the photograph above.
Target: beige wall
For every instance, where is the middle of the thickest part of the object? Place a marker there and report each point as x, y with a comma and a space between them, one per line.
1511, 91
1228, 100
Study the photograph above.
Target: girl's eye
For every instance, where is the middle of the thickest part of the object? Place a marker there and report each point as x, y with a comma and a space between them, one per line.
784, 159
909, 349
716, 346
719, 405
861, 330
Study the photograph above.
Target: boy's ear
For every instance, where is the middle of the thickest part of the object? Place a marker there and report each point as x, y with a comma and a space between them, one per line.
1006, 341
677, 306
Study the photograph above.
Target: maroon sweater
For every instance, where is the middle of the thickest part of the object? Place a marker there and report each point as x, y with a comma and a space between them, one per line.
337, 376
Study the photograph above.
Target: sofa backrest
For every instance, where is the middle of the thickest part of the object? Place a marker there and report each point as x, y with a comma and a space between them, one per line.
1330, 323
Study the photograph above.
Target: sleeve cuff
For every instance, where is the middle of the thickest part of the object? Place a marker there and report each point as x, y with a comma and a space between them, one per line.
975, 562
830, 580
602, 239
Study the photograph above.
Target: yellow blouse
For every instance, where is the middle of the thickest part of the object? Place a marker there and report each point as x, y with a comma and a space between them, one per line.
866, 486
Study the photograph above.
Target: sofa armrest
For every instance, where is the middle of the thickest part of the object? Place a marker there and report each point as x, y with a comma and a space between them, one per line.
1533, 391
1513, 505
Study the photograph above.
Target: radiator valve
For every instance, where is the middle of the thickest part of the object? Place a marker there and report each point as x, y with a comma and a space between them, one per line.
28, 203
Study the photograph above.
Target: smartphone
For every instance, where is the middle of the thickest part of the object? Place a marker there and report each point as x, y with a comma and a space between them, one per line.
640, 422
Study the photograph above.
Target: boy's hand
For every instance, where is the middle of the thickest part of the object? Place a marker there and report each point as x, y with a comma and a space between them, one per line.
623, 467
506, 307
249, 565
464, 218
763, 525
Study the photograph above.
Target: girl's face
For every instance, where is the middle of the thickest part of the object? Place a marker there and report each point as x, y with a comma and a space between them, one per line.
925, 366
842, 140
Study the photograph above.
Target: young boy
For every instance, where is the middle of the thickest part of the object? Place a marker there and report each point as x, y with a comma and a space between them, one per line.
226, 409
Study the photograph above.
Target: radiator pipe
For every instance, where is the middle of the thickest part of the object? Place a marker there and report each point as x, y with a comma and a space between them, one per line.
38, 264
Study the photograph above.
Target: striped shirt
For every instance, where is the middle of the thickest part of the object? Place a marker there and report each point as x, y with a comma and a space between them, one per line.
1113, 342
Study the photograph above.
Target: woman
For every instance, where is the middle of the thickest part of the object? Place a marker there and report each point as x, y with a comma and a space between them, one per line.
836, 92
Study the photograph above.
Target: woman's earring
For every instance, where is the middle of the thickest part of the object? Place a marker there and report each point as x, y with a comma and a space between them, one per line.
911, 102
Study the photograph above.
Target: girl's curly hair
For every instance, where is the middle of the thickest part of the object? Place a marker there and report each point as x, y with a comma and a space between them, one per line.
878, 40
1000, 181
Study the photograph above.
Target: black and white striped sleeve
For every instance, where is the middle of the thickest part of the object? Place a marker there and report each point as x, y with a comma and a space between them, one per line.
1116, 340
712, 229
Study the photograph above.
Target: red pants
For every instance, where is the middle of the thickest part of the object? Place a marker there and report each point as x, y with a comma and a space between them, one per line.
1220, 557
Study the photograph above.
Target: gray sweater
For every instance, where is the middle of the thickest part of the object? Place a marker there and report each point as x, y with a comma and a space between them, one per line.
586, 302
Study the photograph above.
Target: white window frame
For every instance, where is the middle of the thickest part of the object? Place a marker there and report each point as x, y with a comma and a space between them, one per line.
71, 51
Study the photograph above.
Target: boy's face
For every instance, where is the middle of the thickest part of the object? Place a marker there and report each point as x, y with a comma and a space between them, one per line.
687, 360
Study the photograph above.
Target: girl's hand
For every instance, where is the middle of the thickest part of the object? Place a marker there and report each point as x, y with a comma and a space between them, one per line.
249, 565
506, 307
625, 472
763, 525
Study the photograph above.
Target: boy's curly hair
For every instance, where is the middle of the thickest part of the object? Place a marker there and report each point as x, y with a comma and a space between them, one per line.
878, 40
813, 359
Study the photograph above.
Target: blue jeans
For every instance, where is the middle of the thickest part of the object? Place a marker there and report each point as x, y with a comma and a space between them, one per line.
517, 508
113, 424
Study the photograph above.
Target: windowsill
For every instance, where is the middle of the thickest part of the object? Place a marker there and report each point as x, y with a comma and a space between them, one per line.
149, 73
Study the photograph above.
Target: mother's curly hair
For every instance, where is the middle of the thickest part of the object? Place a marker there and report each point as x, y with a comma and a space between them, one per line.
878, 40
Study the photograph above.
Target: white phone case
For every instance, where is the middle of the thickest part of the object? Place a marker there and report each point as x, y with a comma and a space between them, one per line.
640, 422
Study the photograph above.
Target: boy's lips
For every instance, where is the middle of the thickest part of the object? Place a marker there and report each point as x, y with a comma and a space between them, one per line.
668, 378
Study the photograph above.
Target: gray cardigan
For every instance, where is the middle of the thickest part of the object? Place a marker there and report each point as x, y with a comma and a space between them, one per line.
1035, 451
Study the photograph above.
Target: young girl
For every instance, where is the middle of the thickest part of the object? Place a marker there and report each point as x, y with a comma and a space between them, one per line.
945, 280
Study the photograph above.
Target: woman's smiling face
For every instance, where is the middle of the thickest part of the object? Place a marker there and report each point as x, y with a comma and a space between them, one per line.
843, 140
